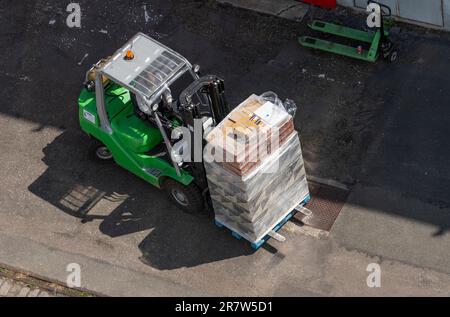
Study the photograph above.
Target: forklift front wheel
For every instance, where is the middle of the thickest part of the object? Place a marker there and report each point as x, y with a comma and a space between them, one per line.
100, 152
188, 198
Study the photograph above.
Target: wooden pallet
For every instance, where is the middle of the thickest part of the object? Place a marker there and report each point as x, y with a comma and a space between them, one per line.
257, 244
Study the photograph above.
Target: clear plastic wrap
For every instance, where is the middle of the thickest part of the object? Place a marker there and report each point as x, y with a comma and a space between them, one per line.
243, 188
253, 204
252, 196
290, 107
289, 104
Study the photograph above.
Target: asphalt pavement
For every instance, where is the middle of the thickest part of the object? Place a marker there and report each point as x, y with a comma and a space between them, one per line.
379, 128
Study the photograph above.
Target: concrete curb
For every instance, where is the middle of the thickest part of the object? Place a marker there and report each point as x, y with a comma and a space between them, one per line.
329, 182
287, 9
97, 276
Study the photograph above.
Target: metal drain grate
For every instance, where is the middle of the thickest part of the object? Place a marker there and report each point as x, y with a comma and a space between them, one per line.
325, 205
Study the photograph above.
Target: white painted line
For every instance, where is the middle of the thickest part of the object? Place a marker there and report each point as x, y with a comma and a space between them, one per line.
82, 60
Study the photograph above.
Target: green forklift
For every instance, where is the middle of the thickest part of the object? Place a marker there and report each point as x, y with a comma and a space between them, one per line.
371, 44
134, 106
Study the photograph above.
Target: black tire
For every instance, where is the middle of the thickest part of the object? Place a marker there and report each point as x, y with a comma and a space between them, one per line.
99, 152
393, 56
188, 198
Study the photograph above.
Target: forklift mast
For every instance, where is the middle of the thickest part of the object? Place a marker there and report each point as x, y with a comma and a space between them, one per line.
214, 88
211, 88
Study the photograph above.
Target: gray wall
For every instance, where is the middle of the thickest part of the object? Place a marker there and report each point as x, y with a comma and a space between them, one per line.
428, 13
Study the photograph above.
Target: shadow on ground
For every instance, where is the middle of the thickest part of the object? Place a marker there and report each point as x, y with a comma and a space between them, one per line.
176, 239
394, 118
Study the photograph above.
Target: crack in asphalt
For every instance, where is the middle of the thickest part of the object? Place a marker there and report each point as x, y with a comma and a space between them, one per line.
287, 9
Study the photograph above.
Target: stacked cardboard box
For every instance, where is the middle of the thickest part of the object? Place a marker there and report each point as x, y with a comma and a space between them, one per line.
252, 197
244, 138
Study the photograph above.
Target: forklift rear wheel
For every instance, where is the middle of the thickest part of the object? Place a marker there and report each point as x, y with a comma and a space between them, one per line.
187, 198
100, 151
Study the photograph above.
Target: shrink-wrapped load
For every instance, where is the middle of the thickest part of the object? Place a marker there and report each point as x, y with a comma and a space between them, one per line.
252, 195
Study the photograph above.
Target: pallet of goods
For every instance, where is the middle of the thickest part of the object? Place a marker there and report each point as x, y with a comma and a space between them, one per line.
257, 176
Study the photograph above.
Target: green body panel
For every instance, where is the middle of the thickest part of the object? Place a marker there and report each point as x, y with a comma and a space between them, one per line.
130, 139
342, 31
337, 48
373, 38
116, 97
135, 134
372, 56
